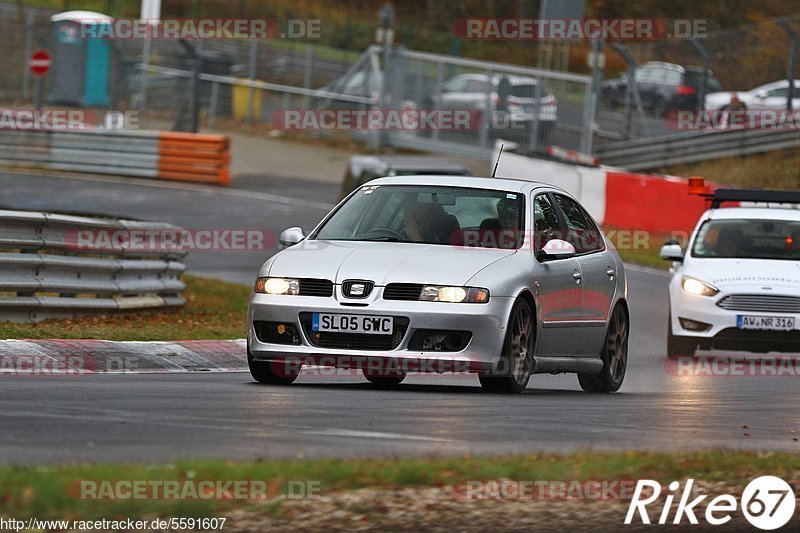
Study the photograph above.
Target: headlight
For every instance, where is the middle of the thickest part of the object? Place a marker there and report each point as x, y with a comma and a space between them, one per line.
277, 286
436, 293
697, 287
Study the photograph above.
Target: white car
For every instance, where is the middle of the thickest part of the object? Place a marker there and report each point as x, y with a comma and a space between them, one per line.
771, 96
737, 286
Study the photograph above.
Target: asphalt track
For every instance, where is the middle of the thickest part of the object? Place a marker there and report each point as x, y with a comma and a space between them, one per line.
163, 417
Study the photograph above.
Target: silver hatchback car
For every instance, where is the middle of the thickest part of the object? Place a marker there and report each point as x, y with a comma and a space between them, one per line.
500, 277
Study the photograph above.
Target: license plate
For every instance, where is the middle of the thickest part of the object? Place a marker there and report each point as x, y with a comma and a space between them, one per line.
769, 323
375, 325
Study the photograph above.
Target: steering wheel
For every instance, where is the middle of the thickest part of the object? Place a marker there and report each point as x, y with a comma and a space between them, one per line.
389, 232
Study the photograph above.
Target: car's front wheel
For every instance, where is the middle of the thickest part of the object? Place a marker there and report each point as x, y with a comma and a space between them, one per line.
516, 361
614, 356
272, 372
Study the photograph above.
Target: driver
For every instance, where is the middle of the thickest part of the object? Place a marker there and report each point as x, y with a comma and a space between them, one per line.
418, 222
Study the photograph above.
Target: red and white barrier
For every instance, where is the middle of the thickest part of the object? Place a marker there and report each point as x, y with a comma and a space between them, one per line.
615, 197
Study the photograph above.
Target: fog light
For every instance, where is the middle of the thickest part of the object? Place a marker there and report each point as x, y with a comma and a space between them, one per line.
693, 325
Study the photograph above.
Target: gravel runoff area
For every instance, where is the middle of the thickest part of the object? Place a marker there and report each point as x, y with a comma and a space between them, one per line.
446, 509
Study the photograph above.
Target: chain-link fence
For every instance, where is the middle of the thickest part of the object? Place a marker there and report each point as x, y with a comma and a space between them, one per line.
739, 60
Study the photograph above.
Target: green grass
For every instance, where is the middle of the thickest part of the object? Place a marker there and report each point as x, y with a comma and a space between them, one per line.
778, 169
214, 310
43, 491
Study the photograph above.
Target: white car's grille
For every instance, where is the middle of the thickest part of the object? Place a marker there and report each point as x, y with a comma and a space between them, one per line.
761, 303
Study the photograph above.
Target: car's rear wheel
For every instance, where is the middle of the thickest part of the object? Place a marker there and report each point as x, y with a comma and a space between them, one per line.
272, 372
614, 356
516, 361
385, 379
678, 345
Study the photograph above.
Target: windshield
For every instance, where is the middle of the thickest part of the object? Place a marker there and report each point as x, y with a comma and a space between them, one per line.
748, 239
429, 214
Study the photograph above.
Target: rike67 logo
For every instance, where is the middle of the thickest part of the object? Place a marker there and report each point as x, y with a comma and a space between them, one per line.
767, 502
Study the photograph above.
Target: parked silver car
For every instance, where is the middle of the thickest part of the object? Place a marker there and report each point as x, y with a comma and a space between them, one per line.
501, 277
508, 103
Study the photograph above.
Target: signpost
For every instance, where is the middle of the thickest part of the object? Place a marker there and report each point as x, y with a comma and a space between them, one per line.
39, 64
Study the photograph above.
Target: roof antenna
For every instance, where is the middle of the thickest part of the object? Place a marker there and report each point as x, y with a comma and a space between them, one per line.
498, 160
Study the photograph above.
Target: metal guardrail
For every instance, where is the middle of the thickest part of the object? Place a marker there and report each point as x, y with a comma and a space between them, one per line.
145, 154
46, 272
656, 152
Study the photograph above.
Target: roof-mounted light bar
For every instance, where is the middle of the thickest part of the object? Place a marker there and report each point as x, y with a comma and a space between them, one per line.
718, 196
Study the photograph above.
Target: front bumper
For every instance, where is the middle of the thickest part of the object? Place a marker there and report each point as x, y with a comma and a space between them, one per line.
485, 322
723, 331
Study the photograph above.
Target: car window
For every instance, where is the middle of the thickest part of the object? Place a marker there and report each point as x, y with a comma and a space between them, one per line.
659, 75
456, 86
457, 216
545, 222
672, 77
526, 90
644, 74
584, 235
781, 92
476, 86
748, 239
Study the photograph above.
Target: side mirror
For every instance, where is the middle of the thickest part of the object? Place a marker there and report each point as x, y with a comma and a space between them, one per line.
671, 251
556, 249
761, 95
291, 236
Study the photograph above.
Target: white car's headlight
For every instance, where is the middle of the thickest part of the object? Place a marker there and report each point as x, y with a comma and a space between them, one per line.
437, 293
277, 286
697, 287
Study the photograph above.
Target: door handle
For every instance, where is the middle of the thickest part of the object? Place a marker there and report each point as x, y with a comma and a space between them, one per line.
610, 272
577, 276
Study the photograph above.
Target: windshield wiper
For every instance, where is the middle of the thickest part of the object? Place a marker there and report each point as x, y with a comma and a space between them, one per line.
385, 239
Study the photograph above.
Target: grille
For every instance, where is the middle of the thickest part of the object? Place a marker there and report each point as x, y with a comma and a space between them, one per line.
355, 341
402, 291
761, 303
347, 288
316, 287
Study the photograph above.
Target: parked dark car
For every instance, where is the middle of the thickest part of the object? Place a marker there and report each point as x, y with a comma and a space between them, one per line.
663, 87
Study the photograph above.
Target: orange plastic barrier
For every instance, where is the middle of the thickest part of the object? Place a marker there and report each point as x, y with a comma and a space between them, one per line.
194, 157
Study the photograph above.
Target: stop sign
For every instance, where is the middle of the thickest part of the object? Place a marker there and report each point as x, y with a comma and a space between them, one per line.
40, 62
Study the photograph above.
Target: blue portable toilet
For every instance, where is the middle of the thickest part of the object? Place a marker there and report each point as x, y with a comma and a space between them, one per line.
81, 63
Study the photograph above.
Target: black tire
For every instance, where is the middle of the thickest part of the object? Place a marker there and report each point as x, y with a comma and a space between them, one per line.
516, 361
272, 373
387, 380
677, 345
614, 355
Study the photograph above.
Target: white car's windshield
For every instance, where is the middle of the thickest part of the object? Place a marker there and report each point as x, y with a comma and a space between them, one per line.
428, 214
748, 239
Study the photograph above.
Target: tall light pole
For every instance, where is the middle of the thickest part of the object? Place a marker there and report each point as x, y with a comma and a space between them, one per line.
150, 11
384, 34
